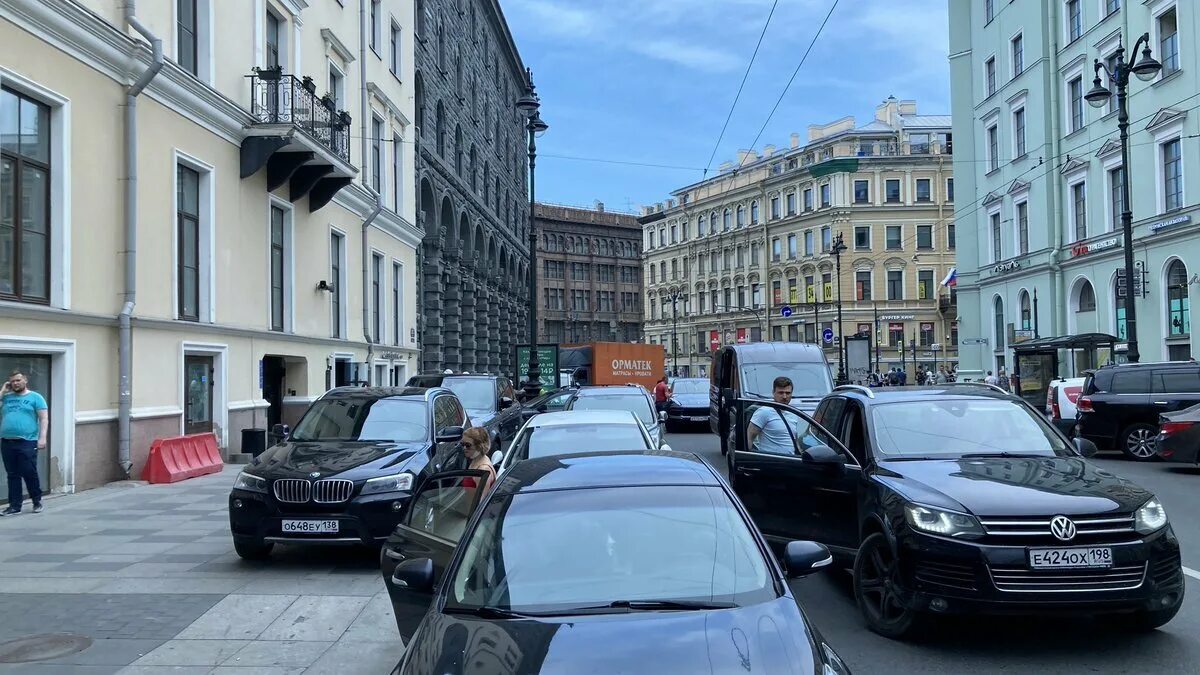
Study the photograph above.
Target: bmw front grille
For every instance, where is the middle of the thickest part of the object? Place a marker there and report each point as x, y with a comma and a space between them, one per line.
301, 491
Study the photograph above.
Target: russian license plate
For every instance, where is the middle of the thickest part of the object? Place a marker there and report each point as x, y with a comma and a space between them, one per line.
310, 526
1058, 558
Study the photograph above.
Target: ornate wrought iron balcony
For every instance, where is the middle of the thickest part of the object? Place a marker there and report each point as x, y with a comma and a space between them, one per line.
286, 99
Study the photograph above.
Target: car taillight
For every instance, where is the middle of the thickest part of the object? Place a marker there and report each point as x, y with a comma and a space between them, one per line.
1169, 428
1085, 404
1052, 403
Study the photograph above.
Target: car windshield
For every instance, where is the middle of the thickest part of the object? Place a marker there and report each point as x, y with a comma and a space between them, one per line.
634, 403
364, 419
952, 428
475, 393
690, 386
809, 380
633, 543
571, 439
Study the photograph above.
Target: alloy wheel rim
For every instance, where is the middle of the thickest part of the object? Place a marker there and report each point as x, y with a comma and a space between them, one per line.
878, 587
1139, 443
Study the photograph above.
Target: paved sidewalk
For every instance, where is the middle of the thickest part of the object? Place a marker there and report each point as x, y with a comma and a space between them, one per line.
146, 574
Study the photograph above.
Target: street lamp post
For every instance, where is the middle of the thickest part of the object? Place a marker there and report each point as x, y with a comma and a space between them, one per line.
839, 247
534, 126
674, 296
1145, 69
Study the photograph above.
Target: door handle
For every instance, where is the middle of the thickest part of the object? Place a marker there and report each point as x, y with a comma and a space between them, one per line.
394, 555
1161, 403
748, 470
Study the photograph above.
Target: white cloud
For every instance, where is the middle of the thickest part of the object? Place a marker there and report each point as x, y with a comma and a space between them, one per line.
689, 55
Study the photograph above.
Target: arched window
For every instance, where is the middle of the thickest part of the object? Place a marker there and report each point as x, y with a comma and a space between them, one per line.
474, 167
712, 223
754, 212
1026, 313
1178, 309
741, 216
1118, 311
1086, 302
998, 308
487, 181
458, 150
441, 37
725, 221
419, 96
440, 122
700, 226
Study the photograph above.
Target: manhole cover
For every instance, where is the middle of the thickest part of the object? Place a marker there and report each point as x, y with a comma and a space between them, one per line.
42, 647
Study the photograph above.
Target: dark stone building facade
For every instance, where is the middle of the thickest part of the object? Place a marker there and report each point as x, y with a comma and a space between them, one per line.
471, 185
589, 276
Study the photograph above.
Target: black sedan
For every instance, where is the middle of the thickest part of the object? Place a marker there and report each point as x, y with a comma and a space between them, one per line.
347, 472
1179, 436
956, 500
688, 404
596, 563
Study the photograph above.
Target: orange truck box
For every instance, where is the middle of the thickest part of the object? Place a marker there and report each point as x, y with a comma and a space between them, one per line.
623, 363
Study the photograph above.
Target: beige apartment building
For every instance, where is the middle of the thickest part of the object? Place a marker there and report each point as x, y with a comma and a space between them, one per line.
747, 256
206, 215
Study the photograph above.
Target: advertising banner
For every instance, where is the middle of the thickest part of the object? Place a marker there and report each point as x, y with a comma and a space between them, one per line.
547, 365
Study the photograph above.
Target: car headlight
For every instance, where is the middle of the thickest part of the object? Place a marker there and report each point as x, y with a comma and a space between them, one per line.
396, 483
248, 481
833, 664
1151, 517
944, 523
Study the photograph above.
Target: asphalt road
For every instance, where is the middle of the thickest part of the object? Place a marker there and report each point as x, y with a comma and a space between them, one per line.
1008, 645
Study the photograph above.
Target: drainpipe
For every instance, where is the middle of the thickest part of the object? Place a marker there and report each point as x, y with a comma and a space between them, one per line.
124, 329
364, 117
1058, 319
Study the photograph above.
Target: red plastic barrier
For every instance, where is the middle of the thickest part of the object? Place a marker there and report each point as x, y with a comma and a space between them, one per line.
174, 459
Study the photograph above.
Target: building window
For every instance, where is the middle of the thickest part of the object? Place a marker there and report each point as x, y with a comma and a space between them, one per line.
397, 303
808, 201
989, 10
950, 243
725, 221
808, 242
741, 257
397, 174
1018, 55
1116, 197
337, 91
674, 234
376, 297
892, 188
826, 239
949, 189
1019, 132
827, 286
791, 203
924, 191
1168, 41
862, 285
918, 144
1025, 313
774, 207
278, 257
1111, 7
825, 195
998, 324
1172, 175
989, 72
862, 237
1075, 95
776, 249
1074, 20
397, 44
1079, 210
753, 213
993, 147
894, 234
791, 244
376, 154
1087, 298
924, 237
862, 192
272, 39
24, 220
374, 37
741, 216
895, 285
997, 242
186, 38
927, 333
1178, 307
336, 249
925, 284
188, 236
1023, 228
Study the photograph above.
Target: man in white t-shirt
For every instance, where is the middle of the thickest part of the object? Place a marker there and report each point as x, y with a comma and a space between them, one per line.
768, 431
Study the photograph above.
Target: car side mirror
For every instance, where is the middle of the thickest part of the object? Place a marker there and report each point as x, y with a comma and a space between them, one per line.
280, 431
822, 454
662, 416
1086, 447
802, 558
449, 435
415, 575
665, 448
497, 457
505, 403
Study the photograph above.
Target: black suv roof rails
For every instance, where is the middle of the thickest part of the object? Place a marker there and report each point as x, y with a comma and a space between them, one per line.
856, 387
976, 384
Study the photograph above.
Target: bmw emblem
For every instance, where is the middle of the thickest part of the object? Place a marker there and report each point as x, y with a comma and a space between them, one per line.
315, 474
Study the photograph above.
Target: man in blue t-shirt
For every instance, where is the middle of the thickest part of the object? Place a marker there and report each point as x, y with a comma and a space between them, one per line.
24, 419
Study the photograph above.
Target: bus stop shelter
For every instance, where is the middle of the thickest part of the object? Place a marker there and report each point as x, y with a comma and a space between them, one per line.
1042, 360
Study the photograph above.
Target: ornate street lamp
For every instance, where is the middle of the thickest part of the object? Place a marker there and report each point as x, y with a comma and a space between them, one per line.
534, 127
838, 248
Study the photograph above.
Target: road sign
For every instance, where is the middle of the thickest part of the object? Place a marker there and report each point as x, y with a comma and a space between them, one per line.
785, 312
935, 347
827, 335
973, 341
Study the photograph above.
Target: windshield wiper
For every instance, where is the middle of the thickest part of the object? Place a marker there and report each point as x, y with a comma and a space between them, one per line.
485, 612
1006, 455
651, 605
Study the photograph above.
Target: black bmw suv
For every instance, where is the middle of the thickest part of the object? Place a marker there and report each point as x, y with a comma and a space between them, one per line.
957, 499
346, 473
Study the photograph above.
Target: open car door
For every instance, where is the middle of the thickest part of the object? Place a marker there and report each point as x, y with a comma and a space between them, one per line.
415, 556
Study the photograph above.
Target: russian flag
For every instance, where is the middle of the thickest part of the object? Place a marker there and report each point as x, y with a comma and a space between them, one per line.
951, 279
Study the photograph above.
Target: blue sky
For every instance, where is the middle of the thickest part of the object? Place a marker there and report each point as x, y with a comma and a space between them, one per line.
651, 81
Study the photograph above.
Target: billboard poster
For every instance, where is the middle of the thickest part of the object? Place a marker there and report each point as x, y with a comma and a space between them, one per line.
858, 358
741, 336
714, 340
547, 365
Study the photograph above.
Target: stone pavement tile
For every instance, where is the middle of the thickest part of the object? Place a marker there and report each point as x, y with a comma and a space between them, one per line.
173, 557
110, 652
255, 670
165, 670
192, 653
47, 537
215, 548
315, 618
112, 558
48, 585
58, 669
167, 539
376, 623
126, 532
238, 617
152, 568
8, 569
45, 557
206, 586
93, 566
137, 548
326, 584
358, 657
287, 654
159, 616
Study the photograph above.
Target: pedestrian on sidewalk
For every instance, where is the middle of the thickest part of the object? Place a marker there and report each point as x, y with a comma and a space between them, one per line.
24, 420
476, 444
662, 392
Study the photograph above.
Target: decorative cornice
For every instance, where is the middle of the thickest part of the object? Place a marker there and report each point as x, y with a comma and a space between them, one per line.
1110, 147
991, 198
1018, 186
338, 47
378, 93
1073, 166
1164, 117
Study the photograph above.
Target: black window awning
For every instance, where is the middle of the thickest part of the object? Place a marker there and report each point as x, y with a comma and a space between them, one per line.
1052, 345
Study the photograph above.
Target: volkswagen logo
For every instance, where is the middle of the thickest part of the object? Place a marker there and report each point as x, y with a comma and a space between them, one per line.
1062, 527
317, 474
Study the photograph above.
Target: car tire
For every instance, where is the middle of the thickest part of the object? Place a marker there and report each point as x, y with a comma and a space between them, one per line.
1137, 441
877, 591
1146, 621
252, 550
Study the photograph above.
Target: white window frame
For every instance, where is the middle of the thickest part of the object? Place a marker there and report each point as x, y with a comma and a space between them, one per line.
60, 183
1068, 120
990, 84
205, 54
207, 201
338, 90
994, 212
1016, 219
903, 284
375, 29
340, 283
1066, 16
1012, 62
1161, 139
1156, 11
398, 289
289, 263
395, 62
1112, 220
1079, 178
380, 296
397, 169
1017, 150
870, 237
993, 161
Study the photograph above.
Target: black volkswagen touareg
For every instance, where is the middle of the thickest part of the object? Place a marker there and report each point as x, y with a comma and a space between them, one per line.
346, 473
957, 499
